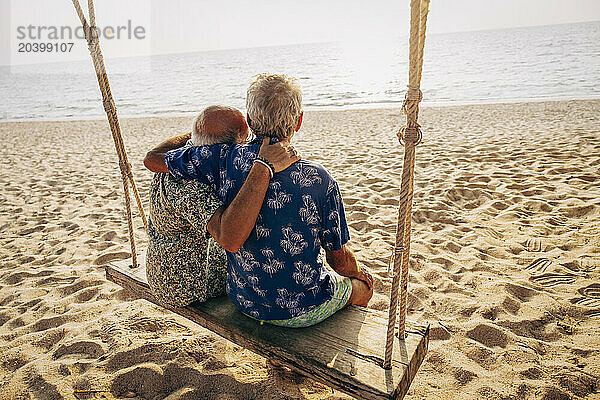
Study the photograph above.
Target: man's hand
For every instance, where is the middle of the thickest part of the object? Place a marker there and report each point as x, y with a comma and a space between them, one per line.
344, 263
281, 154
231, 226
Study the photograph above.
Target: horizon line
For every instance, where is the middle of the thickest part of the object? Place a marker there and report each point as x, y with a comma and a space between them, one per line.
301, 43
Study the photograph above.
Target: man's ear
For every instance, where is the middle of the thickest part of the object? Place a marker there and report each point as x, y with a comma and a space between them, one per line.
299, 122
243, 136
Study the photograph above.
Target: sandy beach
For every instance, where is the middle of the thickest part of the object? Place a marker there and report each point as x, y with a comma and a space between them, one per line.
505, 257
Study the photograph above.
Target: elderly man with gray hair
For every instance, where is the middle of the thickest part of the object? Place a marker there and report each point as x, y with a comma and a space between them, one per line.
278, 275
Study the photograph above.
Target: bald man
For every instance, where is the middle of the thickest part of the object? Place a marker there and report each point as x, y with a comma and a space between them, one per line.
183, 264
225, 122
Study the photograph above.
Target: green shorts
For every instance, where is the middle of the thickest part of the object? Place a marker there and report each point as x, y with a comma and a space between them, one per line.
341, 295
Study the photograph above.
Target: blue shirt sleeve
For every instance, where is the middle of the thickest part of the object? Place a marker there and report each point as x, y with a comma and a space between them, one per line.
196, 162
333, 221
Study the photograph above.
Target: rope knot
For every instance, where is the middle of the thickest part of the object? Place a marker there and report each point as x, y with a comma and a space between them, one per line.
125, 167
93, 45
410, 107
399, 249
413, 94
109, 105
396, 251
410, 133
93, 41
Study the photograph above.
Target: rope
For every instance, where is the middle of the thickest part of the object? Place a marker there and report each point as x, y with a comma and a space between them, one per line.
81, 15
410, 136
91, 35
92, 13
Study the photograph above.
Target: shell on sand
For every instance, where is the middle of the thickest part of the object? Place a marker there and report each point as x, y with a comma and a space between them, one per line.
505, 257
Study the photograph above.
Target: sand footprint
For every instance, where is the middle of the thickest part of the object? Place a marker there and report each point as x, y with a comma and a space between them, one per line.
538, 266
491, 232
47, 323
82, 347
592, 290
551, 279
558, 220
591, 296
29, 231
586, 302
488, 335
593, 313
533, 245
580, 265
146, 380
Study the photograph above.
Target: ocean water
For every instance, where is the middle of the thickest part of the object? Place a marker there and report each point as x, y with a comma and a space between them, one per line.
534, 63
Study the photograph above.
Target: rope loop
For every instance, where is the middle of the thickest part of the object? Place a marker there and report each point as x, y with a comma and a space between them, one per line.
399, 249
410, 134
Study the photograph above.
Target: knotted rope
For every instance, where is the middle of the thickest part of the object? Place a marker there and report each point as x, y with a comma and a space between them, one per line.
409, 136
91, 35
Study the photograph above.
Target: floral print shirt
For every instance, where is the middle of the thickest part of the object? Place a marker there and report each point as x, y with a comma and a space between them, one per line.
278, 273
183, 263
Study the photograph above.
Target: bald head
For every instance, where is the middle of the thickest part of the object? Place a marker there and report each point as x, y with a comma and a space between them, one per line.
219, 124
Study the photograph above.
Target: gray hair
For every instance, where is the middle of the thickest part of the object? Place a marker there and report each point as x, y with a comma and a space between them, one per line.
274, 105
201, 133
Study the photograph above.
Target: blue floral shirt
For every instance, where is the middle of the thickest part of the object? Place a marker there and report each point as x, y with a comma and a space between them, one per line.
278, 273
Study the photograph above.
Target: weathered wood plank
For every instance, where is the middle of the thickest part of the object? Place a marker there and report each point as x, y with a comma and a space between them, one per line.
345, 351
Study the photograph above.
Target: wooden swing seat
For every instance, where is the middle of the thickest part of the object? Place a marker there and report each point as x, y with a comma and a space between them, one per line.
344, 352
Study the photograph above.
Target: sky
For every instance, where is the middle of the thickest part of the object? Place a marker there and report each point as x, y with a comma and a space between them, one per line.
173, 26
234, 24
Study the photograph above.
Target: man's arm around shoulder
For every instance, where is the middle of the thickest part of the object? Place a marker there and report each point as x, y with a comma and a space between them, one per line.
155, 158
231, 226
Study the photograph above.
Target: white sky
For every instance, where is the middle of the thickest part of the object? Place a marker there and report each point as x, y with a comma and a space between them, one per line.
187, 25
196, 25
